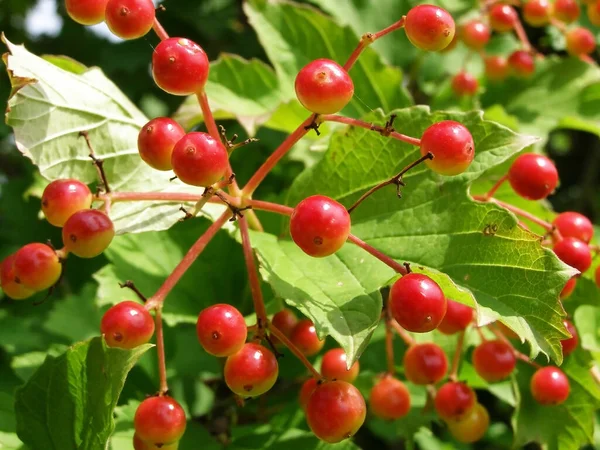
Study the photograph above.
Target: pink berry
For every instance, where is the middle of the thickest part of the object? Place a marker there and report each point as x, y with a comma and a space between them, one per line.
199, 159
36, 267
574, 252
14, 290
580, 41
127, 325
537, 12
475, 34
522, 63
503, 18
464, 84
88, 233
429, 27
550, 386
566, 10
457, 318
156, 141
572, 224
221, 329
86, 12
451, 145
324, 87
160, 421
334, 366
496, 68
533, 176
62, 198
130, 19
180, 66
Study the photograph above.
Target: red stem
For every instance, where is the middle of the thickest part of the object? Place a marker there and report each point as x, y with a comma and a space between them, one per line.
405, 335
149, 196
271, 207
159, 297
160, 350
369, 126
526, 359
519, 212
522, 35
456, 358
159, 30
495, 187
389, 343
377, 254
295, 350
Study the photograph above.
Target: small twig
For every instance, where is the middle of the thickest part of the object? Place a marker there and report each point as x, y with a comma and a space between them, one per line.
235, 210
314, 124
229, 143
131, 285
99, 163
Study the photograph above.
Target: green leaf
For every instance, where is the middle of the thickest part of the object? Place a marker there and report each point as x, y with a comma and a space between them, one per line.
437, 225
287, 30
50, 106
69, 401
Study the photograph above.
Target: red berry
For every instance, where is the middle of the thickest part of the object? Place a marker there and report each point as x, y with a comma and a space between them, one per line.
199, 159
503, 18
533, 176
335, 411
180, 66
593, 11
496, 68
10, 287
550, 386
324, 87
569, 344
304, 336
521, 63
159, 420
566, 10
580, 41
454, 400
306, 391
574, 252
425, 363
464, 84
334, 366
156, 141
62, 198
494, 360
138, 444
36, 267
537, 12
130, 19
458, 317
221, 330
451, 145
86, 12
472, 427
569, 288
572, 224
319, 225
429, 27
127, 325
475, 34
417, 303
252, 371
88, 233
285, 321
390, 398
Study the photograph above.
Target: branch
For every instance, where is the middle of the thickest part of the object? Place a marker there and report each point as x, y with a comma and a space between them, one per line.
377, 254
98, 163
295, 350
386, 130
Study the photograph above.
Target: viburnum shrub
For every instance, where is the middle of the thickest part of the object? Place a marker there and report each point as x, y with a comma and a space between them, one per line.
257, 273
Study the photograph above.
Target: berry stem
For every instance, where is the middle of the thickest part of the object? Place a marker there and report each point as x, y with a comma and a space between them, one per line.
389, 341
456, 357
257, 297
149, 196
159, 30
495, 187
158, 298
405, 335
558, 24
384, 131
131, 285
295, 350
526, 359
377, 254
500, 335
519, 212
274, 158
160, 350
98, 163
520, 31
396, 179
271, 207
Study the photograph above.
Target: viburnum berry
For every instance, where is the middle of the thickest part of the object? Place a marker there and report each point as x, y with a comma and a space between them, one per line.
425, 363
580, 41
306, 391
533, 176
574, 252
494, 360
417, 303
502, 17
159, 421
251, 371
569, 344
522, 64
496, 67
454, 400
138, 444
593, 12
319, 225
285, 321
14, 290
156, 141
37, 267
471, 427
88, 233
550, 386
304, 336
334, 366
451, 145
130, 19
127, 325
457, 318
568, 289
464, 84
180, 66
62, 198
475, 34
537, 12
335, 411
86, 12
429, 27
390, 398
221, 329
573, 224
199, 159
566, 10
597, 276
324, 87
